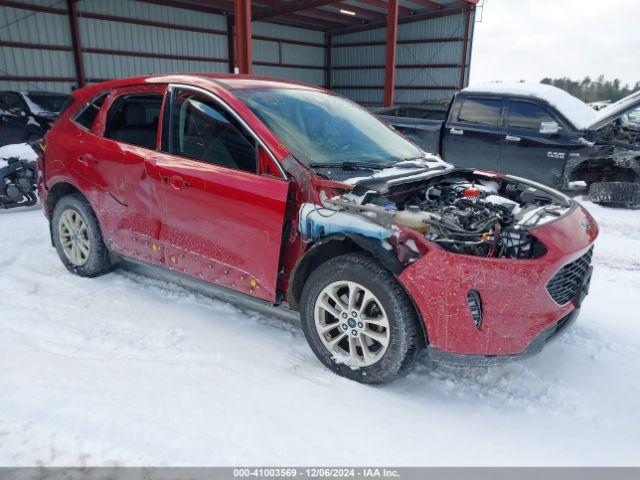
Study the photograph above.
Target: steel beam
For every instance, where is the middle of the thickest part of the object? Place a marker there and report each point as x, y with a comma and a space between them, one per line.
288, 7
333, 15
32, 7
78, 61
363, 12
328, 60
191, 6
402, 20
242, 16
399, 42
390, 65
231, 53
465, 46
384, 4
427, 4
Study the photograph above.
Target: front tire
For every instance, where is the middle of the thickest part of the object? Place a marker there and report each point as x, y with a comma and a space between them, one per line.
359, 321
77, 237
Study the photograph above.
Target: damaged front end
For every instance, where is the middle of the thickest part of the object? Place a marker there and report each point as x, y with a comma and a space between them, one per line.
476, 252
464, 212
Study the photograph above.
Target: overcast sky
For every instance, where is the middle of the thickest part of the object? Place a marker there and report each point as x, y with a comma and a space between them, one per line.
533, 39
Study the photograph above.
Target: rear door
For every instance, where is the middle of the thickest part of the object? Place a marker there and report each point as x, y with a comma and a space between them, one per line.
529, 153
122, 158
474, 133
224, 218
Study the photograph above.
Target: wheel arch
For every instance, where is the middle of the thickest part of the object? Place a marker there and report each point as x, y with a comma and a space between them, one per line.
57, 192
339, 244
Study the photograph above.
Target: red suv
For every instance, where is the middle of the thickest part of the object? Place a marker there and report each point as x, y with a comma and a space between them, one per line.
292, 196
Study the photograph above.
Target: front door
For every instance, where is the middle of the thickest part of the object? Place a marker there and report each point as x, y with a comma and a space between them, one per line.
473, 134
527, 152
223, 219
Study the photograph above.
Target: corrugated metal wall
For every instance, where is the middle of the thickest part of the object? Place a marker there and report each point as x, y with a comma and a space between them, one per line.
118, 39
123, 38
18, 26
304, 62
426, 71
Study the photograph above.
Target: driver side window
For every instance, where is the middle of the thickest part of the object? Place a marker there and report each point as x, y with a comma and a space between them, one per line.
202, 130
527, 116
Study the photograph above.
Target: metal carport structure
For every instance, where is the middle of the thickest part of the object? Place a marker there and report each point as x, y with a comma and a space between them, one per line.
380, 52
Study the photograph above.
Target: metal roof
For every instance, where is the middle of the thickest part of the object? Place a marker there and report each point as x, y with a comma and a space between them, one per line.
324, 15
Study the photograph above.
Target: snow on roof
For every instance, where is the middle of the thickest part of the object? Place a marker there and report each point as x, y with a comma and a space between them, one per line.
575, 110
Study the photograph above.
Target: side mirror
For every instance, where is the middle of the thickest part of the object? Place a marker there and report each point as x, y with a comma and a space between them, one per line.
549, 128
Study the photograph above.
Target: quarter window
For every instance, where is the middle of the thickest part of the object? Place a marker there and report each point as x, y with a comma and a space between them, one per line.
481, 111
133, 119
527, 115
87, 115
202, 130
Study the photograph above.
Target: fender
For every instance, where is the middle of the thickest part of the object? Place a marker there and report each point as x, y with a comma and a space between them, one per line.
332, 246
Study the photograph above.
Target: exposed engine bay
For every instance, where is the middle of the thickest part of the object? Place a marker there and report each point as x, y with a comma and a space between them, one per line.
465, 212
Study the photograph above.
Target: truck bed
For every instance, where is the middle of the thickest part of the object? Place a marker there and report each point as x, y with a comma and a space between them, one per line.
422, 125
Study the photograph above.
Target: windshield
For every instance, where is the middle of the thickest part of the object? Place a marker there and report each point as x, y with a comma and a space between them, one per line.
322, 129
46, 102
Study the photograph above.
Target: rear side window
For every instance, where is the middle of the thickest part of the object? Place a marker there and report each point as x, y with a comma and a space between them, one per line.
87, 115
481, 111
133, 119
527, 115
202, 130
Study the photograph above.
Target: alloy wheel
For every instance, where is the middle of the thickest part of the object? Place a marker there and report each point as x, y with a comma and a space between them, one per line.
74, 237
352, 323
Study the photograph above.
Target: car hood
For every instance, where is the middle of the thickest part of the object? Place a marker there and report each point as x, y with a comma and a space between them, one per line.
615, 111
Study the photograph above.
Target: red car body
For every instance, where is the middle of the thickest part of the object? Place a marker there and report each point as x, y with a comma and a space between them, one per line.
239, 230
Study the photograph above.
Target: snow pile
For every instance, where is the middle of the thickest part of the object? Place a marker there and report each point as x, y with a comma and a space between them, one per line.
20, 150
577, 112
122, 370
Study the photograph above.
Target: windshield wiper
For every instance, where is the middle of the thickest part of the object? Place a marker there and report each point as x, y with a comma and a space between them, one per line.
349, 165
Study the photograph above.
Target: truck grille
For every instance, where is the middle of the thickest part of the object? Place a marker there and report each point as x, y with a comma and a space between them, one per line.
566, 283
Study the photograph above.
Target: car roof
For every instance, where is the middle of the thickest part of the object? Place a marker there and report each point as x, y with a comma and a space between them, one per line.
225, 80
575, 110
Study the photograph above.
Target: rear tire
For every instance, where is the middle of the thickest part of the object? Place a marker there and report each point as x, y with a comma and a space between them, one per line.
77, 237
616, 194
380, 318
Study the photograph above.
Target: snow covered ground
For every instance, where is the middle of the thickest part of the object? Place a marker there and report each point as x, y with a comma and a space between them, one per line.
121, 370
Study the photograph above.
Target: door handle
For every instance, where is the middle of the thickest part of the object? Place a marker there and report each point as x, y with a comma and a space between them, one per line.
511, 138
456, 131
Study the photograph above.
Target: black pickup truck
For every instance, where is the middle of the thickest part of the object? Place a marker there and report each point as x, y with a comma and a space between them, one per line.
534, 131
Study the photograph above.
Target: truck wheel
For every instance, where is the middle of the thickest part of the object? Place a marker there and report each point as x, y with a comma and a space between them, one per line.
616, 194
77, 237
359, 321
